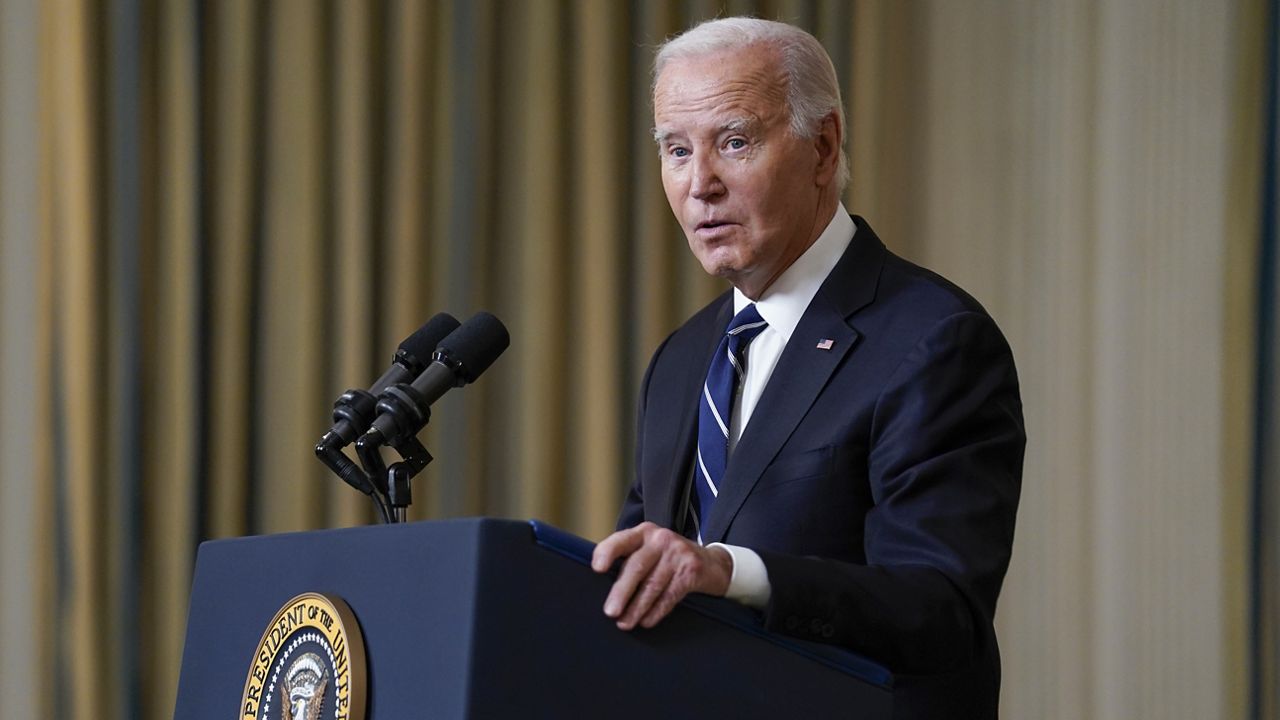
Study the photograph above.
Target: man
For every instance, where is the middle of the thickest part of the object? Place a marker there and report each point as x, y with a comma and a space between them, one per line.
838, 441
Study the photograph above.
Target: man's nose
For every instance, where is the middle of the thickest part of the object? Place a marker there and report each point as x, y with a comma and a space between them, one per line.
705, 183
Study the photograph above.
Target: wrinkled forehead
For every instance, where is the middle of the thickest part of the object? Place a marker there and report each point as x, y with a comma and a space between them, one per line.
745, 82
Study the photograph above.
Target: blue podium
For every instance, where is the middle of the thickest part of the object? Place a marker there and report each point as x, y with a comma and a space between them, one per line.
483, 618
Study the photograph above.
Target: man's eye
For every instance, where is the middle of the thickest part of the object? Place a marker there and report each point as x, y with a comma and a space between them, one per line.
736, 144
678, 152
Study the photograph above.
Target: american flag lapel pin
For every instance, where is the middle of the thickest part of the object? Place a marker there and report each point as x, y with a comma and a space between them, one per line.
825, 343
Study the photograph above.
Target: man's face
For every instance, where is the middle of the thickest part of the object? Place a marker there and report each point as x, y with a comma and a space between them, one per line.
746, 191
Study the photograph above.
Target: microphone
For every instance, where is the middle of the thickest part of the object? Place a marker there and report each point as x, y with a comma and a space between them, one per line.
354, 411
404, 409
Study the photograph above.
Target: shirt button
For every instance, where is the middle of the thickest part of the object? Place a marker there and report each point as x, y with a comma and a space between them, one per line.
828, 630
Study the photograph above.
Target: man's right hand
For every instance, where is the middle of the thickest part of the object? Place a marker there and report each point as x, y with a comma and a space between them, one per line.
659, 568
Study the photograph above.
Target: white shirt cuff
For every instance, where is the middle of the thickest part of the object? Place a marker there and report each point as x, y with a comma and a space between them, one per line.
749, 583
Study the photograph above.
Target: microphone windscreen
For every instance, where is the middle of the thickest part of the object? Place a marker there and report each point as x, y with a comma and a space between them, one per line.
476, 344
416, 349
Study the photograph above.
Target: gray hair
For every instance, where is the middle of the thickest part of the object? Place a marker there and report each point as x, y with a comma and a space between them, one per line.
812, 89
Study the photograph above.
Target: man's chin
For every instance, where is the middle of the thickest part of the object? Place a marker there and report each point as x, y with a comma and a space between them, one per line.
719, 260
723, 270
734, 275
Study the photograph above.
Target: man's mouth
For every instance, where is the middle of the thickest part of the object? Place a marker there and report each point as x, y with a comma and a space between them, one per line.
711, 225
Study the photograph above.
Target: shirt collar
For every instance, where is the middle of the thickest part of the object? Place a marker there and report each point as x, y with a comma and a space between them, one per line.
789, 296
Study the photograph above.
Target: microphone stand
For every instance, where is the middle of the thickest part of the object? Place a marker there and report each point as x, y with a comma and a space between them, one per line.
399, 491
355, 408
329, 450
394, 481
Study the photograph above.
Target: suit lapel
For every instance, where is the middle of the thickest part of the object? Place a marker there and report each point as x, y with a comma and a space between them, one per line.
802, 372
672, 500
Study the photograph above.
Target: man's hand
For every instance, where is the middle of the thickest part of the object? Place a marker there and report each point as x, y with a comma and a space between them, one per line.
660, 568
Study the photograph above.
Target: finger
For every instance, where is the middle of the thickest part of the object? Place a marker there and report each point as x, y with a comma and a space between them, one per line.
686, 569
693, 569
651, 590
662, 606
634, 570
619, 544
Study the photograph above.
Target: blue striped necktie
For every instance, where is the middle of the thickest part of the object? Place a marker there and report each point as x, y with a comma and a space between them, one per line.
716, 408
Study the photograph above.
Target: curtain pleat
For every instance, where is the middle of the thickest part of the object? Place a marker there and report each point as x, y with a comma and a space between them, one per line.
441, 284
352, 262
173, 365
412, 39
292, 339
122, 471
407, 265
654, 258
1263, 626
538, 244
75, 403
230, 182
47, 651
599, 163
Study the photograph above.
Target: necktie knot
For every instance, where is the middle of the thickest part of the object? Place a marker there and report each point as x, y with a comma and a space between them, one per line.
746, 324
742, 329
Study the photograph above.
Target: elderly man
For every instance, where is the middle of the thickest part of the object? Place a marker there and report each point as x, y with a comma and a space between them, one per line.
837, 441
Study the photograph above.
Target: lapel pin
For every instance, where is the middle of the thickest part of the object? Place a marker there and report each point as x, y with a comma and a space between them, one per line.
825, 343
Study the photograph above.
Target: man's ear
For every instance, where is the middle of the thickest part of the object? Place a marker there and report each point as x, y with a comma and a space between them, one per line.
827, 146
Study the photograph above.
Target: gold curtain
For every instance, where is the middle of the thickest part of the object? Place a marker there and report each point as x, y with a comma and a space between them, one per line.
245, 206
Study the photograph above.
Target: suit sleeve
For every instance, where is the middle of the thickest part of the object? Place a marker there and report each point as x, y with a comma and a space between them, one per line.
944, 465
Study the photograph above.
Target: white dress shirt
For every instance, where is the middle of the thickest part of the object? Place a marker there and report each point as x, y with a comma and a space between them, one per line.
781, 305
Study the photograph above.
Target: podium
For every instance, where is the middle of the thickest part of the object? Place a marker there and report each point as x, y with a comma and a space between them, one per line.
483, 618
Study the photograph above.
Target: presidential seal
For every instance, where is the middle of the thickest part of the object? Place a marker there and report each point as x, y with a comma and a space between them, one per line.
309, 664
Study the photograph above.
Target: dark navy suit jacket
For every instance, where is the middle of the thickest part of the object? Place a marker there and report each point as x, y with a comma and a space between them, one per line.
878, 479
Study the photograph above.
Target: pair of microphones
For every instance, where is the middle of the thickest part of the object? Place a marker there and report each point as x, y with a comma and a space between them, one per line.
441, 355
